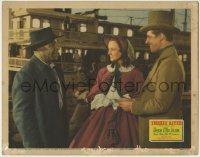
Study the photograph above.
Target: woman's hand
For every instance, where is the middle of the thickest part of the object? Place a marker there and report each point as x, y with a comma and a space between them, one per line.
125, 104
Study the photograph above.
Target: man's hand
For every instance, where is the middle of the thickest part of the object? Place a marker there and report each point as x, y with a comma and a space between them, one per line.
125, 104
81, 95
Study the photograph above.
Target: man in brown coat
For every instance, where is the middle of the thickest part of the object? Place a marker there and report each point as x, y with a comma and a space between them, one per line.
161, 92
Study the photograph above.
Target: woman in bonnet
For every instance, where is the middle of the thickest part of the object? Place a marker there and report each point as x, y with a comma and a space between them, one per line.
108, 126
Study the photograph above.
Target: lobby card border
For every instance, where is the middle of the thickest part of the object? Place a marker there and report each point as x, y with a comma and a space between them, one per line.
109, 5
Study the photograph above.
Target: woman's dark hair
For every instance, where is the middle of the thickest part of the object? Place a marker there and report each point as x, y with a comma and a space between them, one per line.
168, 34
125, 60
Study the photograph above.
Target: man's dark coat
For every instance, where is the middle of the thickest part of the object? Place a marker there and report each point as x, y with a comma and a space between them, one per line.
36, 112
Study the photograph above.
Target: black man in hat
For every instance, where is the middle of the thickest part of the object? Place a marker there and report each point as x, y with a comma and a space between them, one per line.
39, 109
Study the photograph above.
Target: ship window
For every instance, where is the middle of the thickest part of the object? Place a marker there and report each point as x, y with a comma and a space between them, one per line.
129, 32
66, 24
115, 31
36, 23
60, 51
62, 26
71, 51
21, 23
184, 57
146, 56
100, 29
137, 54
11, 25
83, 27
85, 52
180, 57
45, 23
15, 23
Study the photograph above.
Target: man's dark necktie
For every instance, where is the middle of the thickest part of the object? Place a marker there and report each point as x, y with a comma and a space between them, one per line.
59, 87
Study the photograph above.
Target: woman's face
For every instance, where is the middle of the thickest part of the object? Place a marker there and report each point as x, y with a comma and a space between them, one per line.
114, 51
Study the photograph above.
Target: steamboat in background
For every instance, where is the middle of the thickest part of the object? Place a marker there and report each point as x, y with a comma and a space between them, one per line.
83, 52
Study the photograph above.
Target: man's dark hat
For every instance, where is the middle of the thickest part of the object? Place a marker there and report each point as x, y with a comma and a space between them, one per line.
41, 38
